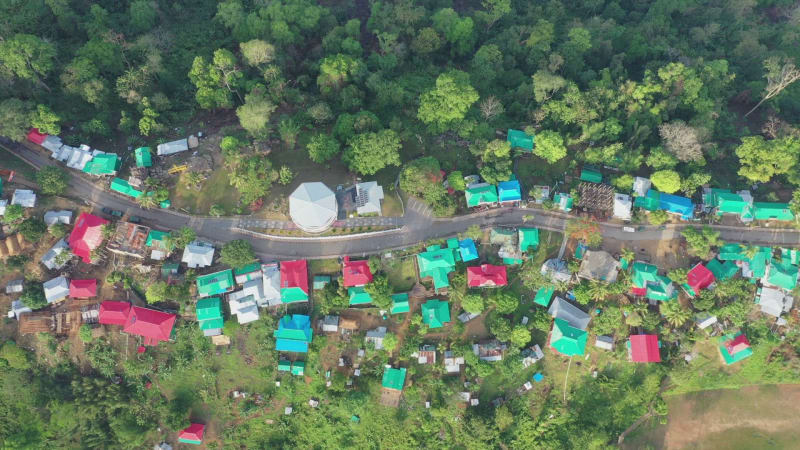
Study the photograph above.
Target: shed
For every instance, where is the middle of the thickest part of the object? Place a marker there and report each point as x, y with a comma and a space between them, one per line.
604, 342
520, 139
56, 289
591, 175
143, 157
24, 197
170, 148
54, 217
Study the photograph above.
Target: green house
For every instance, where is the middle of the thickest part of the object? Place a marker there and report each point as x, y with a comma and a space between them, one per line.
358, 296
566, 339
284, 365
124, 188
437, 263
103, 164
520, 139
209, 315
215, 283
722, 271
770, 211
650, 202
435, 313
792, 255
782, 274
758, 263
731, 252
734, 347
592, 176
298, 368
481, 194
528, 239
564, 202
143, 157
394, 378
320, 281
400, 304
544, 295
647, 283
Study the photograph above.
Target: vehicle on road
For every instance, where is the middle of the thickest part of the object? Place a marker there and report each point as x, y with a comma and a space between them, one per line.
628, 229
112, 212
135, 219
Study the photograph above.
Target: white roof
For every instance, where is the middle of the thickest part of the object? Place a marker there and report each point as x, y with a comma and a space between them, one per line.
245, 277
14, 286
622, 206
198, 254
368, 198
562, 309
24, 197
54, 217
466, 317
376, 337
169, 148
604, 342
49, 258
56, 289
3, 204
252, 289
705, 320
774, 302
599, 265
79, 157
52, 143
313, 207
330, 324
158, 255
641, 186
556, 270
245, 311
544, 194
271, 279
162, 446
17, 308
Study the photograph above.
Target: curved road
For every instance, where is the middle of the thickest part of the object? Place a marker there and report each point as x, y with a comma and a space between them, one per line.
415, 227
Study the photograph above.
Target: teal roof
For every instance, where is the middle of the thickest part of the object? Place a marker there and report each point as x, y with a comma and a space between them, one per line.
394, 378
528, 237
284, 365
758, 263
792, 255
437, 263
563, 201
731, 252
520, 139
358, 296
320, 281
782, 274
509, 191
592, 176
298, 367
103, 164
123, 187
209, 313
544, 295
648, 283
566, 339
722, 271
650, 202
252, 267
467, 250
214, 283
400, 304
777, 211
734, 348
294, 333
481, 194
435, 313
156, 236
143, 157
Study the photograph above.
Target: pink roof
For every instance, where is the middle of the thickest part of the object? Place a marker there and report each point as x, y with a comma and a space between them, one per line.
356, 273
114, 313
486, 275
35, 136
83, 288
193, 433
699, 278
639, 291
737, 344
154, 326
644, 348
86, 236
294, 274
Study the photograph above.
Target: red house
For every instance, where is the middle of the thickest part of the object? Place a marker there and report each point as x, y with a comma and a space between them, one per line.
644, 348
83, 288
294, 281
699, 278
193, 434
86, 236
35, 136
356, 273
154, 326
486, 275
114, 313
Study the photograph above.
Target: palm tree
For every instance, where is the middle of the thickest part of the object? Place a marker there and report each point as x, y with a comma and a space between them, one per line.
147, 201
598, 291
675, 314
628, 255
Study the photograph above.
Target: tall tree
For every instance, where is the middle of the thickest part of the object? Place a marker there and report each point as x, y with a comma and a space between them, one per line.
237, 253
550, 146
368, 153
779, 75
27, 57
448, 102
761, 159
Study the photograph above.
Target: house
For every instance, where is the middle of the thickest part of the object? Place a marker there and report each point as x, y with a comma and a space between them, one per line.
509, 192
114, 313
83, 288
531, 356
129, 239
193, 434
622, 206
368, 198
528, 239
772, 211
508, 240
24, 197
566, 339
17, 309
56, 289
394, 378
245, 309
698, 278
102, 164
490, 350
465, 317
480, 194
673, 204
734, 347
294, 281
376, 337
436, 263
426, 354
51, 259
14, 286
604, 342
599, 265
400, 304
435, 313
86, 236
294, 333
271, 285
159, 245
563, 201
330, 324
774, 301
452, 363
467, 250
704, 320
170, 148
54, 217
198, 254
722, 271
723, 201
209, 316
544, 295
644, 348
641, 186
781, 274
566, 311
486, 275
214, 283
143, 157
556, 270
647, 283
154, 326
123, 187
591, 175
247, 273
520, 139
313, 207
356, 273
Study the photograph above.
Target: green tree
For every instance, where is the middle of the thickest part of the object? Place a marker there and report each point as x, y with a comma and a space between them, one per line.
33, 296
13, 214
322, 147
285, 175
704, 301
85, 334
550, 146
504, 302
335, 71
546, 84
447, 103
181, 238
216, 82
678, 275
253, 178
497, 162
237, 253
257, 53
675, 314
658, 217
390, 342
16, 357
254, 114
520, 336
143, 14
156, 292
52, 179
380, 290
700, 241
289, 130
694, 181
456, 181
608, 321
473, 232
58, 230
459, 31
368, 153
473, 303
667, 181
216, 210
760, 159
82, 77
32, 229
27, 57
45, 120
15, 118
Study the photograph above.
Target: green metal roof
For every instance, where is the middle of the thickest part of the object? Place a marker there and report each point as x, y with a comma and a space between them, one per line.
320, 281
736, 357
358, 296
566, 339
103, 164
284, 365
437, 263
209, 308
563, 201
394, 378
143, 157
435, 313
400, 304
298, 368
782, 274
528, 237
758, 263
645, 276
165, 204
252, 267
123, 187
215, 283
777, 211
520, 139
544, 295
157, 236
792, 255
481, 195
722, 271
452, 243
728, 202
650, 202
731, 252
592, 176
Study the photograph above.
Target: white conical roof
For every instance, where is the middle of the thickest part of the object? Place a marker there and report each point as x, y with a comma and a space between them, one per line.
313, 207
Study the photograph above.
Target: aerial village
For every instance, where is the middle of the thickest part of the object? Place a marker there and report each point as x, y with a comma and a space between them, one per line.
454, 307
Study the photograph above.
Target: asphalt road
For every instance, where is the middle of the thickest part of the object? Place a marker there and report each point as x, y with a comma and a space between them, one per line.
416, 227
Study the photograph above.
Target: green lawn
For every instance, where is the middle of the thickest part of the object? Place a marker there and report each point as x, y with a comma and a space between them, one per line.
216, 190
401, 273
9, 161
331, 265
391, 204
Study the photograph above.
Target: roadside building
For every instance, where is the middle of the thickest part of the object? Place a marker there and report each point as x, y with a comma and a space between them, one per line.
528, 239
356, 273
647, 283
509, 193
294, 281
563, 201
368, 198
129, 239
481, 194
123, 187
467, 250
622, 206
313, 207
198, 254
247, 273
159, 245
209, 316
436, 263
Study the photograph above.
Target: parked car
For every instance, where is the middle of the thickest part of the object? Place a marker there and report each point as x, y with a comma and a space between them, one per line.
112, 212
135, 219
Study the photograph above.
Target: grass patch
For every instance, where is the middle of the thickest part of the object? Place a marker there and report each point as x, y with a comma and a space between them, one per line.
549, 245
331, 265
216, 190
391, 205
11, 162
401, 273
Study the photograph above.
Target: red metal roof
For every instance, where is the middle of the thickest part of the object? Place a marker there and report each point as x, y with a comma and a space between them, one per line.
193, 433
83, 288
699, 278
86, 236
737, 344
486, 275
639, 291
114, 313
294, 274
35, 136
644, 348
154, 326
356, 273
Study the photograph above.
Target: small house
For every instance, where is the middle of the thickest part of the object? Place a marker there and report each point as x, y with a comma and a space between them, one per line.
566, 339
556, 270
544, 295
598, 265
467, 250
604, 342
698, 278
17, 309
531, 356
734, 347
170, 148
481, 194
54, 217
400, 304
644, 348
376, 337
24, 197
114, 313
641, 186
774, 302
436, 263
14, 286
520, 139
435, 313
198, 254
158, 244
647, 283
566, 311
294, 334
330, 324
426, 354
528, 239
83, 288
704, 320
452, 363
143, 157
509, 192
56, 289
490, 350
209, 316
358, 296
368, 198
294, 281
193, 434
245, 310
772, 211
486, 275
622, 206
51, 259
563, 201
247, 273
214, 283
270, 285
356, 273
392, 386
781, 274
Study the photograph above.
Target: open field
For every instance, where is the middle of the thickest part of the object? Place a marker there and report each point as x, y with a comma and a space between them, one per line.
216, 190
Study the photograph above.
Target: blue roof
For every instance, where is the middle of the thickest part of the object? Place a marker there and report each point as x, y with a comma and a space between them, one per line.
509, 191
676, 204
289, 345
467, 250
